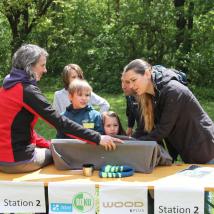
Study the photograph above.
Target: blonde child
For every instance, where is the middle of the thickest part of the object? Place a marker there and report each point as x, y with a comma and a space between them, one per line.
79, 93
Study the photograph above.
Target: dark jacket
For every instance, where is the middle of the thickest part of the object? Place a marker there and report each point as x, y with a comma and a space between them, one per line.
180, 119
133, 115
87, 117
131, 111
21, 104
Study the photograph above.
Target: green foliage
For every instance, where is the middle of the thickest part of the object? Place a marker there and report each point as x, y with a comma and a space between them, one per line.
4, 46
103, 36
201, 57
22, 17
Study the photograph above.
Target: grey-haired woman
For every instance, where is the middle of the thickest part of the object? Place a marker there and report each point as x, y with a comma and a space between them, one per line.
21, 104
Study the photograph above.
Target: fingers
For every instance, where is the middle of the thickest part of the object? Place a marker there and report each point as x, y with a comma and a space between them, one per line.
113, 146
110, 146
108, 142
117, 140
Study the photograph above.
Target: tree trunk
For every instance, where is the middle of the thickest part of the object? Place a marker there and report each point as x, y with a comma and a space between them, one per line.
184, 26
21, 23
117, 8
181, 22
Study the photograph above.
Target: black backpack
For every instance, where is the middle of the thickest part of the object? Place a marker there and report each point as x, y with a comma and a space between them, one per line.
180, 75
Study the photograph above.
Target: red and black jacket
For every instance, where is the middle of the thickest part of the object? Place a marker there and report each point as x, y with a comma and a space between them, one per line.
20, 107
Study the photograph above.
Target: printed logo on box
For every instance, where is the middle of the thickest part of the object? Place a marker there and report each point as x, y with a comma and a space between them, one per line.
61, 207
133, 206
83, 202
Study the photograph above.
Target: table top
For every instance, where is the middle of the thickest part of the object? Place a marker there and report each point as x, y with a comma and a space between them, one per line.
51, 174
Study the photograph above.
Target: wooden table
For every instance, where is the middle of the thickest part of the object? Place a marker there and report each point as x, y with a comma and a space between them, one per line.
51, 174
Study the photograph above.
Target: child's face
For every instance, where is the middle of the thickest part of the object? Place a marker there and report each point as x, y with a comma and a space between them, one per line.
72, 75
111, 126
80, 99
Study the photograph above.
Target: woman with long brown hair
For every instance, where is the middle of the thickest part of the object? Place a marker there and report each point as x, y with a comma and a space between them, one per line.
171, 112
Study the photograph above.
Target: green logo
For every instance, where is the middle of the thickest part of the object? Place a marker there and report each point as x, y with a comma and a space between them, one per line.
83, 202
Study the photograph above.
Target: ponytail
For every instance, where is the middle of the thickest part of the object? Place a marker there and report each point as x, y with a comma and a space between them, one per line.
146, 111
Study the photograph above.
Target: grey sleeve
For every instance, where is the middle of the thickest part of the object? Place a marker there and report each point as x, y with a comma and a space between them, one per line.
56, 103
99, 101
60, 101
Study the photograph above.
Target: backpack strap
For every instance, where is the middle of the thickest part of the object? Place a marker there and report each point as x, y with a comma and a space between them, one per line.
157, 75
182, 77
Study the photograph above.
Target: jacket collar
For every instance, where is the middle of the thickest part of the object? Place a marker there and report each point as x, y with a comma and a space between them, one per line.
17, 76
71, 109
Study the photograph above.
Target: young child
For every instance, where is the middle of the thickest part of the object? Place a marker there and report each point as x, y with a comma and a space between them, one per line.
79, 110
112, 124
61, 101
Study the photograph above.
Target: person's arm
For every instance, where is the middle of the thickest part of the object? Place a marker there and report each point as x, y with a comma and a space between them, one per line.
60, 101
60, 135
99, 101
129, 131
35, 102
139, 131
129, 113
39, 141
56, 105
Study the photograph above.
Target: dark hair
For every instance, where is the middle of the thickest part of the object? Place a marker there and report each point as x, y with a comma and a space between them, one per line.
66, 72
137, 65
121, 131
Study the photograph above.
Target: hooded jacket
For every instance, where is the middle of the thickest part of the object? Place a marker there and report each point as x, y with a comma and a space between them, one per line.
21, 104
88, 117
180, 119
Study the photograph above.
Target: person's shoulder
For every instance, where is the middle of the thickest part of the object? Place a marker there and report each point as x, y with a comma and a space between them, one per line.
60, 92
176, 88
95, 97
174, 84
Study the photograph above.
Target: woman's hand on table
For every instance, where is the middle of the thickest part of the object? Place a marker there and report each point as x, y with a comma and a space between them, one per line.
109, 142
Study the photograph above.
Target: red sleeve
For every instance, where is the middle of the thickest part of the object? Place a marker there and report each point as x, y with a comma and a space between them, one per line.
40, 141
